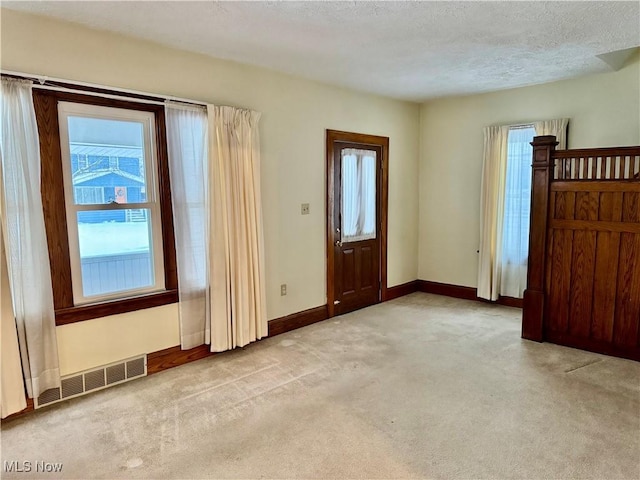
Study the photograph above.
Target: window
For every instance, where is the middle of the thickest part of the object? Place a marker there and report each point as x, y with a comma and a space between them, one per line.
115, 241
517, 204
517, 201
107, 204
505, 205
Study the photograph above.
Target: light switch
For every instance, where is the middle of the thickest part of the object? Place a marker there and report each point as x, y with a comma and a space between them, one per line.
304, 209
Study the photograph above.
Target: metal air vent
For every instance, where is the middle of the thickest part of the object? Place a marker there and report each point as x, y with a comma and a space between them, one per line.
82, 383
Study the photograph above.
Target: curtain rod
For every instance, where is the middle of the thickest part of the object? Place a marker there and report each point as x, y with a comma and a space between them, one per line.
96, 94
42, 79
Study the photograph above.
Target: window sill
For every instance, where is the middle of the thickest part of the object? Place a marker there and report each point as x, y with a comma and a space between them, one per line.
65, 316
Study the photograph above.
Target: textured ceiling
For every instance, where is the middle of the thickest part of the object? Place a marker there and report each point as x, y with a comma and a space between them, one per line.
406, 50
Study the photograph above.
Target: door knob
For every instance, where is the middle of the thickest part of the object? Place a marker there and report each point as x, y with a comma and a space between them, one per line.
338, 243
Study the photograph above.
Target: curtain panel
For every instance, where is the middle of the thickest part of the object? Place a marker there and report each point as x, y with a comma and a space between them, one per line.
557, 127
494, 171
12, 384
238, 309
25, 239
187, 136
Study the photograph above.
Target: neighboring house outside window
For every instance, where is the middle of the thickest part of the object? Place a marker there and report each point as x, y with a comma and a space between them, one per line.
113, 244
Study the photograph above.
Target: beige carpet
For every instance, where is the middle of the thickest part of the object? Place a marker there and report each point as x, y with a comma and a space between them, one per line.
420, 387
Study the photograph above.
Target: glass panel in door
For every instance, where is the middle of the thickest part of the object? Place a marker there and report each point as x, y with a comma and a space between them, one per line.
358, 195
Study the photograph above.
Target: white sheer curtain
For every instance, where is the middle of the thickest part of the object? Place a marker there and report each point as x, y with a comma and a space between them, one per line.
517, 202
492, 211
358, 194
25, 238
238, 310
350, 195
187, 145
369, 195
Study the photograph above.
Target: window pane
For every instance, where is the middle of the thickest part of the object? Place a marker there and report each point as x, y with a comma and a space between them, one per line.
107, 160
358, 203
350, 203
115, 250
369, 195
517, 196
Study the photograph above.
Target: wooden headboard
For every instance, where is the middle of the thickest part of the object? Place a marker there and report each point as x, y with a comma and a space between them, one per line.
583, 280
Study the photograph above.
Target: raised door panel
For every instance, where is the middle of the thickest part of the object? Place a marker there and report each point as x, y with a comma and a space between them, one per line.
627, 316
348, 271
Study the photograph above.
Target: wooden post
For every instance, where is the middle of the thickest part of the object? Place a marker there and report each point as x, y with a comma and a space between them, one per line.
534, 299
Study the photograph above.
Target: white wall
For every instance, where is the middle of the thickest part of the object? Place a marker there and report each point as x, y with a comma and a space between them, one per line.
295, 112
604, 110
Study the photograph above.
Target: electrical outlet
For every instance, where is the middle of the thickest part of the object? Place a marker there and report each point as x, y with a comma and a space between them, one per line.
304, 209
283, 289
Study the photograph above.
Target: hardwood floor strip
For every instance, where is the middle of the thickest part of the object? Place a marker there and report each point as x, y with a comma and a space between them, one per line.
297, 320
510, 302
173, 357
402, 290
448, 290
466, 293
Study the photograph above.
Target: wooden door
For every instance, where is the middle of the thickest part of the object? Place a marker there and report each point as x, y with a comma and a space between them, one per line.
356, 235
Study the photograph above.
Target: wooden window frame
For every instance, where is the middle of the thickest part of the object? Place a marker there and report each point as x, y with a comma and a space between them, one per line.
53, 202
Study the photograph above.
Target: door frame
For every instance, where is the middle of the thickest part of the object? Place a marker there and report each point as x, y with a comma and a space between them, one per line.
333, 136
